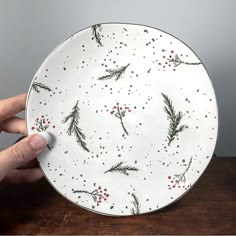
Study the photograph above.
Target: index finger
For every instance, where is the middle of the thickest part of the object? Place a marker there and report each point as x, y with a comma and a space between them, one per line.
11, 106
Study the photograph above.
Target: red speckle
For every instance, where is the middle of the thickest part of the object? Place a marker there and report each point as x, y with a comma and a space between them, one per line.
97, 204
53, 126
99, 187
173, 69
105, 194
114, 107
32, 128
111, 112
49, 122
44, 122
176, 181
169, 64
183, 186
117, 103
105, 199
129, 111
169, 177
101, 191
121, 108
172, 51
100, 198
172, 181
166, 63
170, 56
173, 186
179, 186
37, 119
172, 59
42, 116
164, 56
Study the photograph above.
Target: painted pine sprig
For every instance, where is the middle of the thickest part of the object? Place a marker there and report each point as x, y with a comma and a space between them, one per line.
96, 33
175, 118
114, 73
37, 86
177, 61
73, 119
121, 168
181, 178
136, 205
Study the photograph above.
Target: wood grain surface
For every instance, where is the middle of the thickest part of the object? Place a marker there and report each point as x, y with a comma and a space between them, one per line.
209, 208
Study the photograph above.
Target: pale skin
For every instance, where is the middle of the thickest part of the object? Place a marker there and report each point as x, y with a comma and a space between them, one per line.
17, 162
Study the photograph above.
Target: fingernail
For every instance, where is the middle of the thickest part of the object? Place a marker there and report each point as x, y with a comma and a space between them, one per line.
46, 136
39, 141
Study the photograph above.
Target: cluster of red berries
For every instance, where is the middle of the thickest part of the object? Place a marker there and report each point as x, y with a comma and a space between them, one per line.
169, 59
102, 195
176, 183
118, 108
42, 123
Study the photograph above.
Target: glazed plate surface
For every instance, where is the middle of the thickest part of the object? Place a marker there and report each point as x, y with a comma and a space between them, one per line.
133, 117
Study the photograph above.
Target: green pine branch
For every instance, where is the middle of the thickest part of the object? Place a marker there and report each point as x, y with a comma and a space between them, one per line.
175, 118
37, 86
122, 169
182, 177
114, 73
96, 34
73, 119
94, 194
177, 61
136, 205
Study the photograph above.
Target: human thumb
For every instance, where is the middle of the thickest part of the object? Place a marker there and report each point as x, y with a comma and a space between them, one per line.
22, 152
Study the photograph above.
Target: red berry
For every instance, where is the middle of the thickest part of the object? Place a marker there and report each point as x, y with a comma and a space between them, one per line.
111, 112
97, 204
170, 56
164, 56
99, 187
101, 191
129, 111
176, 181
105, 194
166, 63
114, 107
32, 128
117, 103
42, 116
169, 177
53, 126
172, 51
173, 186
120, 108
173, 69
172, 181
48, 122
105, 199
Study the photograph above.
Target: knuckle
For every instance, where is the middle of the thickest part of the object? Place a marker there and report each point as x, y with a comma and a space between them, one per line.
18, 153
2, 113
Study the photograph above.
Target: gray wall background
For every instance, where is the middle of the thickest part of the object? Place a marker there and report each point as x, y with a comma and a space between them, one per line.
29, 30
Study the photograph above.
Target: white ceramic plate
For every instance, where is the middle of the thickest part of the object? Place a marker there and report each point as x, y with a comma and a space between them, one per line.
133, 116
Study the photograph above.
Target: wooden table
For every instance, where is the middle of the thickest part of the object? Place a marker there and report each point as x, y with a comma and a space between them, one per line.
209, 208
